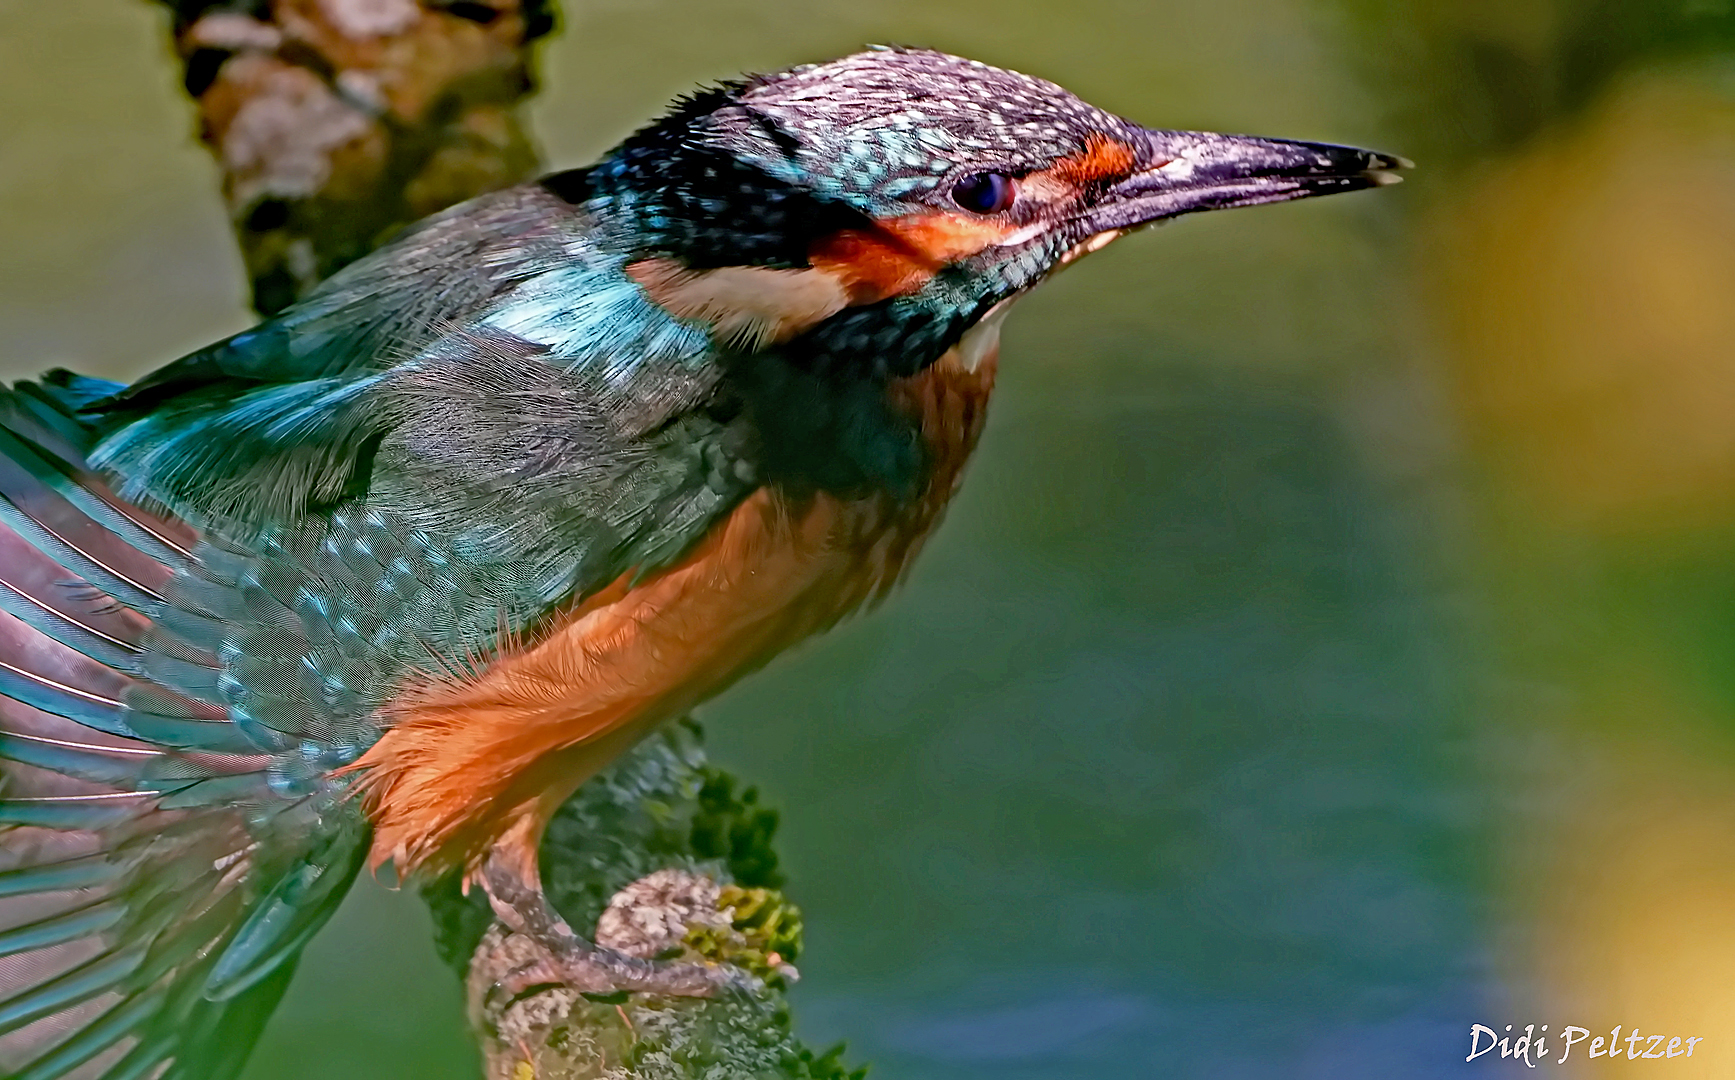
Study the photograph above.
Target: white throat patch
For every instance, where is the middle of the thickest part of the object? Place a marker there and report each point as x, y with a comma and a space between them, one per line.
983, 338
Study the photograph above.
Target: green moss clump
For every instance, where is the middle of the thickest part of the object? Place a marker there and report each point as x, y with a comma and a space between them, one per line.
764, 933
826, 1066
736, 829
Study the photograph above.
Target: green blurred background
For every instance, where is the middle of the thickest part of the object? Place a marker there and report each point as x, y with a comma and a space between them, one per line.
1334, 645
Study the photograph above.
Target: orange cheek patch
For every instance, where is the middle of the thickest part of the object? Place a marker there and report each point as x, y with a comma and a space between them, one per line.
871, 264
754, 306
946, 238
1103, 160
902, 254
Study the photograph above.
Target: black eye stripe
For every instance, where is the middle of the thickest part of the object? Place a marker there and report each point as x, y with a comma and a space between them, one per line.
985, 193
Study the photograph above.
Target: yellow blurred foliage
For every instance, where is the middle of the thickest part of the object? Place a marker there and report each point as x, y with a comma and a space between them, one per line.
1635, 928
1588, 292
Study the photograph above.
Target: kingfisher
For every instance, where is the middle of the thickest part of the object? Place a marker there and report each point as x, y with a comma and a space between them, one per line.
383, 579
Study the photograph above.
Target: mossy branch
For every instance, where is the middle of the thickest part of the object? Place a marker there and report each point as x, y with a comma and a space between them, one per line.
665, 858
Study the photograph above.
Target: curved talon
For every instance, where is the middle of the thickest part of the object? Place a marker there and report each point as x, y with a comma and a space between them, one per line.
591, 969
518, 983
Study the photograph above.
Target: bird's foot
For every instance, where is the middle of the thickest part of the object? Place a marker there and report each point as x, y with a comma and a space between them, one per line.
561, 957
597, 970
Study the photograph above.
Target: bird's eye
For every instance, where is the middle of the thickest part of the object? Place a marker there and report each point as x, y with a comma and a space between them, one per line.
985, 193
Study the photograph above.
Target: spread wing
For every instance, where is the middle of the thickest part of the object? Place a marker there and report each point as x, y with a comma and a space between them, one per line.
156, 876
395, 472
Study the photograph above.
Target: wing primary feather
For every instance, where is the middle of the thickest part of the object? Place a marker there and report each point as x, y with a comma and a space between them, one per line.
81, 706
74, 529
93, 918
29, 413
83, 872
125, 521
141, 1061
123, 622
115, 766
71, 813
77, 562
283, 920
80, 636
97, 975
116, 1024
139, 966
185, 733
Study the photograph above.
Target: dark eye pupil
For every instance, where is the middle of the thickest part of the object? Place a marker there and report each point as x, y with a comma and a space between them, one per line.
984, 193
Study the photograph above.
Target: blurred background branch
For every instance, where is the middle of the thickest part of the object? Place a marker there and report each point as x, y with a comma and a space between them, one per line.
1468, 79
338, 122
335, 124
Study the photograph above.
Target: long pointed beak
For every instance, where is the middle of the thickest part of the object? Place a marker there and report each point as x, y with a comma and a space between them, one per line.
1186, 171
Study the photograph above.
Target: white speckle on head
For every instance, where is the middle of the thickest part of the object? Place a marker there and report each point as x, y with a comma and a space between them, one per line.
370, 18
234, 33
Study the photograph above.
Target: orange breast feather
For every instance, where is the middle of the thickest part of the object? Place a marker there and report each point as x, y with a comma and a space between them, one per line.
470, 762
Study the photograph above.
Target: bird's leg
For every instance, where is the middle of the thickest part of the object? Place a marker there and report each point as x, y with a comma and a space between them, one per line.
514, 889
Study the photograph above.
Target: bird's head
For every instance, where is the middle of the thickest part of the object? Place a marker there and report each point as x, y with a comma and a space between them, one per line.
862, 215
